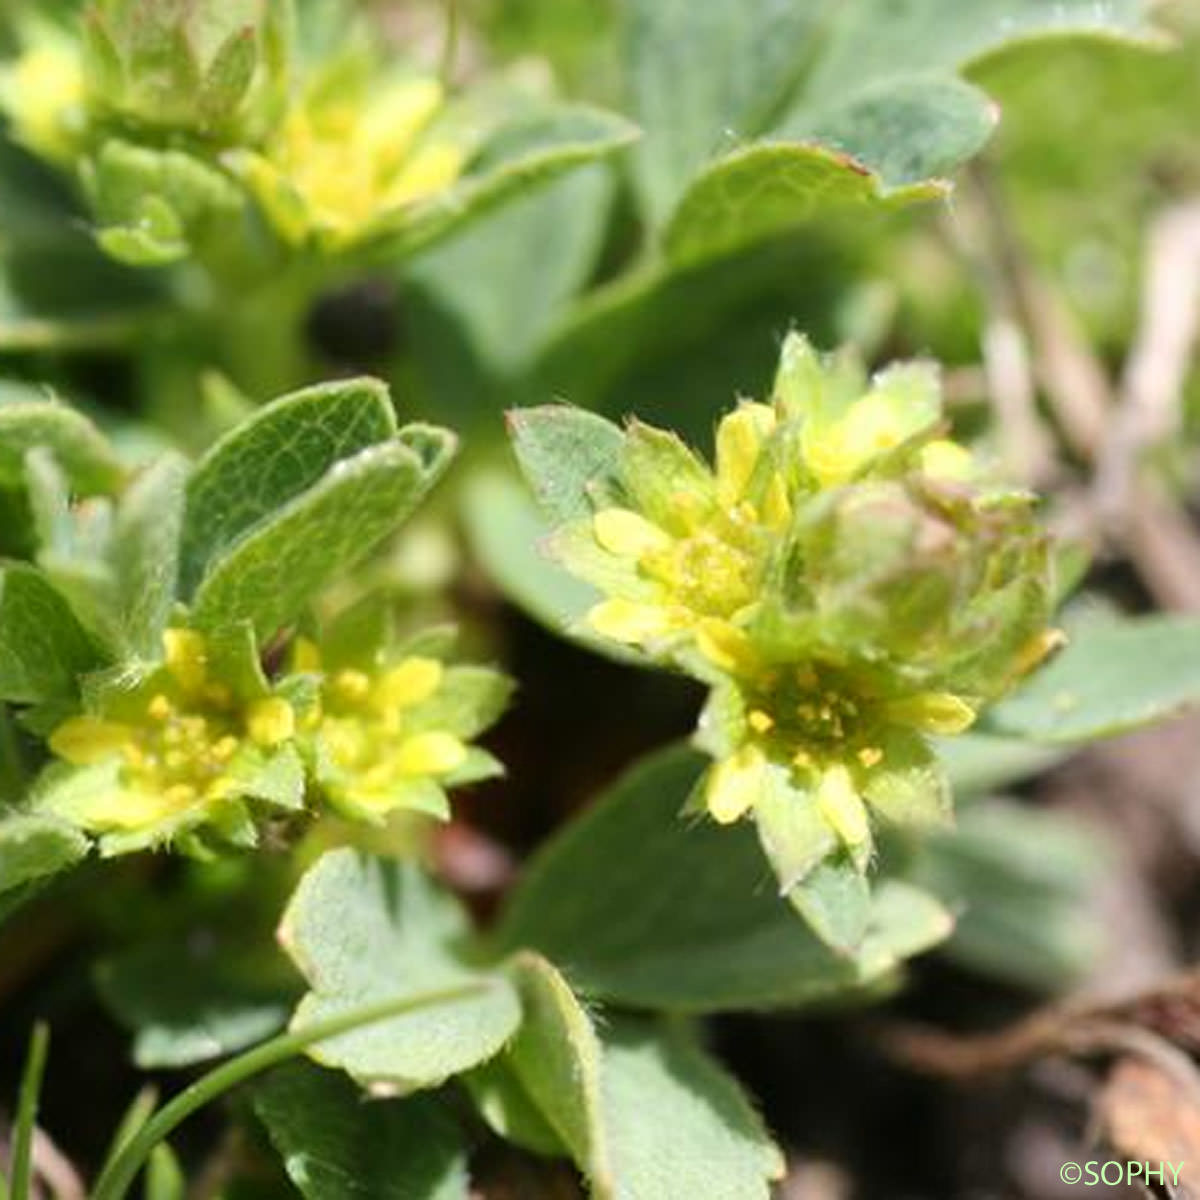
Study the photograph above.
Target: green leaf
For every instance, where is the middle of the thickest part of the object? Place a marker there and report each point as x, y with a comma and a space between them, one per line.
363, 930
33, 847
507, 535
190, 1000
525, 154
542, 247
760, 116
275, 456
907, 129
985, 762
565, 453
1112, 678
769, 189
692, 921
506, 1107
555, 1056
873, 40
145, 554
704, 75
1024, 883
703, 1139
673, 345
270, 574
335, 1143
594, 1092
43, 648
79, 447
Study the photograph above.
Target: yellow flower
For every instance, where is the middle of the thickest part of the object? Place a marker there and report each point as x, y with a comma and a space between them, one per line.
338, 165
695, 571
842, 441
43, 94
820, 732
397, 737
177, 752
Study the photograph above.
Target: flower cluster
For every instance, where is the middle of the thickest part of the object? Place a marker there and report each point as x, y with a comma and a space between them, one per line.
344, 159
176, 117
396, 733
184, 755
846, 581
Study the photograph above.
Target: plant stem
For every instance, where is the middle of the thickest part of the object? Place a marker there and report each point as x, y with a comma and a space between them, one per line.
31, 1086
122, 1169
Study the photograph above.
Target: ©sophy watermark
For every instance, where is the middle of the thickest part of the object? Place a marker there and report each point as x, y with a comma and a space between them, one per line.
1095, 1173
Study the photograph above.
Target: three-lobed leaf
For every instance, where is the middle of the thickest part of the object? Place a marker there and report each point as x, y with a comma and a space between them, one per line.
364, 930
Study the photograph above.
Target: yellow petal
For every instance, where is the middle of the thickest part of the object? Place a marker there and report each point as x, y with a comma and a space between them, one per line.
776, 507
431, 753
760, 721
345, 741
283, 201
630, 623
396, 116
947, 460
86, 740
353, 686
934, 712
305, 655
431, 169
842, 807
271, 721
725, 646
740, 437
869, 428
410, 682
42, 93
735, 784
128, 808
628, 534
186, 656
1038, 648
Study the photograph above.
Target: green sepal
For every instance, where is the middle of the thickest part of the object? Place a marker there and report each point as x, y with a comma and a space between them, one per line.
566, 455
834, 898
795, 836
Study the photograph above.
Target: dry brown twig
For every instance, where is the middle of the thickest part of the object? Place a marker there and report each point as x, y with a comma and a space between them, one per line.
1157, 367
1152, 530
